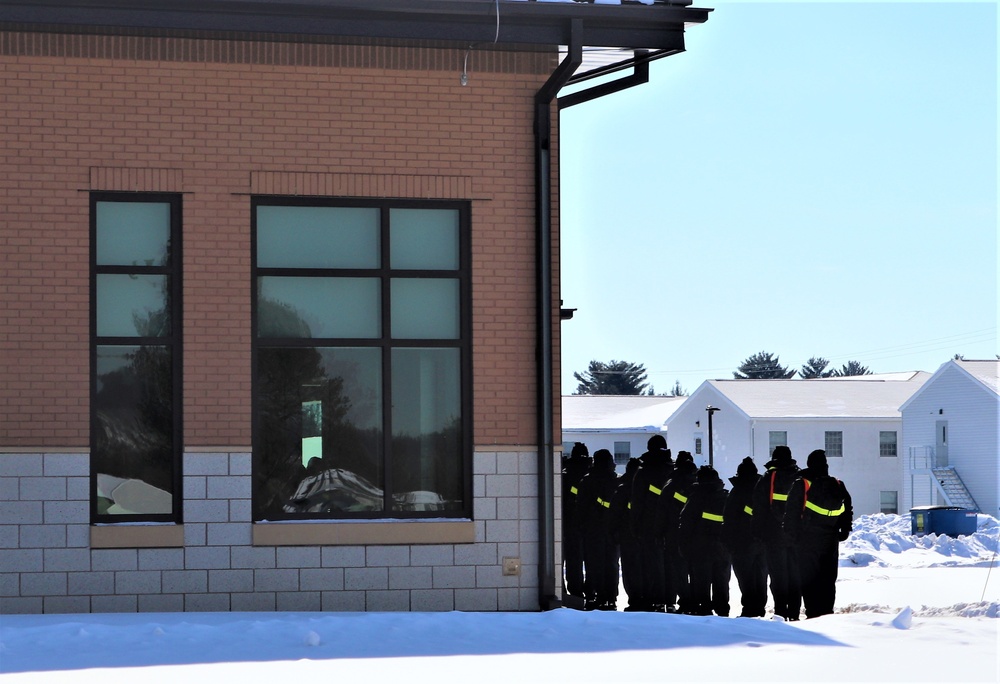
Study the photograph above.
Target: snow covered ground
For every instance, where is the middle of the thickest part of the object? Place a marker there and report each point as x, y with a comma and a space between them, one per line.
910, 609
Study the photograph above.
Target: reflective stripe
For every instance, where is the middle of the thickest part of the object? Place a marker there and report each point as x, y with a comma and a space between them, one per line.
780, 497
748, 510
680, 497
630, 505
602, 502
824, 511
655, 490
574, 490
711, 516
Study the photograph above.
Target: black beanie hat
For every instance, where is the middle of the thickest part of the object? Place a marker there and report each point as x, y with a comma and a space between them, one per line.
684, 457
781, 454
656, 442
707, 475
632, 465
816, 459
579, 449
746, 468
604, 460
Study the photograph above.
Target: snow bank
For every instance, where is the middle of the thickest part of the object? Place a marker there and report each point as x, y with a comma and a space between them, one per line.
883, 540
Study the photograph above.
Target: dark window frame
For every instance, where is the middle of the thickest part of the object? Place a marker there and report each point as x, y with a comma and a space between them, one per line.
884, 447
173, 341
828, 443
384, 273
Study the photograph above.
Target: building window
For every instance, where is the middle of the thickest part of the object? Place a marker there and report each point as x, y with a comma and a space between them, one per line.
135, 417
697, 446
623, 450
834, 443
776, 438
888, 502
887, 443
362, 375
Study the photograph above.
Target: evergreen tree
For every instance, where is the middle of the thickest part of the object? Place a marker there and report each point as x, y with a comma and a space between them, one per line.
816, 368
852, 368
677, 390
614, 377
762, 366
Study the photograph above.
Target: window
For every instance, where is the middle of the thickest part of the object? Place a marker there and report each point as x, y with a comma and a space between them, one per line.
834, 443
135, 427
623, 450
887, 443
697, 446
888, 502
776, 438
362, 376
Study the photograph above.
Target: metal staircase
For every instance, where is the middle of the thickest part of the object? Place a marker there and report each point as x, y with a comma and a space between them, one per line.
951, 487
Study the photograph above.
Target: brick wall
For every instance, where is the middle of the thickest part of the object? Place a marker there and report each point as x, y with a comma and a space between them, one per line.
82, 113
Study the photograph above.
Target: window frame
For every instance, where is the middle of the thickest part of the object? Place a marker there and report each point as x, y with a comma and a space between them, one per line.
622, 457
882, 446
772, 444
831, 452
881, 501
384, 342
173, 270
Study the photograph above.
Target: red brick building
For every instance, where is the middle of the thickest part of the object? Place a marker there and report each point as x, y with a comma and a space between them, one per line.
279, 307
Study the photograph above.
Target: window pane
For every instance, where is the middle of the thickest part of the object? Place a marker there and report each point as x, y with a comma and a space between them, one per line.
133, 233
317, 237
318, 307
319, 430
776, 438
888, 502
424, 238
131, 305
425, 308
426, 430
887, 443
834, 443
133, 430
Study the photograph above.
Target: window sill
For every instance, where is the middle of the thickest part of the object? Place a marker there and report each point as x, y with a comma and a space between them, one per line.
363, 533
136, 536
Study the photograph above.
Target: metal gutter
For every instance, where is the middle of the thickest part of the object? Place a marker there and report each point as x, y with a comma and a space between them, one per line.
543, 229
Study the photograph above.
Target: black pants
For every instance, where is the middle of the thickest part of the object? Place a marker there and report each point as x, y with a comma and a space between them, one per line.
750, 568
677, 583
818, 565
631, 563
653, 579
709, 573
573, 561
601, 566
783, 567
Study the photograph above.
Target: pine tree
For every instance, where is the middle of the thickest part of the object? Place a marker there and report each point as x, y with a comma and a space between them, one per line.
614, 377
852, 368
762, 366
816, 368
677, 390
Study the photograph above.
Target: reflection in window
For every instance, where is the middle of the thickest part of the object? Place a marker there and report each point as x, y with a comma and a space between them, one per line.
361, 343
135, 397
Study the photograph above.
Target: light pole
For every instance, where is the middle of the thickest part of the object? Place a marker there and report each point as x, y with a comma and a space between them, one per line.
711, 409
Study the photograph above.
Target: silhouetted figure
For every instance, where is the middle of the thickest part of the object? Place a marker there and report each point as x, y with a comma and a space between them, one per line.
745, 550
818, 516
574, 468
628, 544
675, 496
655, 468
600, 549
769, 500
700, 539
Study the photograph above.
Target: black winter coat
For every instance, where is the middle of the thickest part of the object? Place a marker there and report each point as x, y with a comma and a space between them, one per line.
700, 526
819, 511
646, 491
769, 497
737, 523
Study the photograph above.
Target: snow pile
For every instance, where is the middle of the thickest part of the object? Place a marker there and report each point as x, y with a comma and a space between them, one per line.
884, 540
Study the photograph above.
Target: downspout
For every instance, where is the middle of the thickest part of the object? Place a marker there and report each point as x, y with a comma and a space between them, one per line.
543, 277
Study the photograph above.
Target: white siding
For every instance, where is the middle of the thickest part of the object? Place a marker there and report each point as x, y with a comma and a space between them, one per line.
973, 428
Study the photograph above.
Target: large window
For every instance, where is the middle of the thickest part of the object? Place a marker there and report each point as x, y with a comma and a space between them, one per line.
361, 359
887, 443
623, 451
135, 357
888, 502
834, 443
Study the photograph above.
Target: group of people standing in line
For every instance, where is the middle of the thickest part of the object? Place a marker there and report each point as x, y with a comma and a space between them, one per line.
677, 533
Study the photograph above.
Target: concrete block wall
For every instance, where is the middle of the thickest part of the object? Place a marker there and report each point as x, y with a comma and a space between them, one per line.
47, 564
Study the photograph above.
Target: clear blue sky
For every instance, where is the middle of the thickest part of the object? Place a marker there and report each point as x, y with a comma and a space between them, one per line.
808, 179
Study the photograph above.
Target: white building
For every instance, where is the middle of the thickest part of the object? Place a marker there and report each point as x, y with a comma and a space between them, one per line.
951, 427
855, 419
620, 424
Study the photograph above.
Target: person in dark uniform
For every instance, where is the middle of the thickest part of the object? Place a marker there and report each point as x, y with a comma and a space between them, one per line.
769, 497
574, 468
818, 516
675, 495
628, 545
655, 467
600, 550
700, 540
745, 550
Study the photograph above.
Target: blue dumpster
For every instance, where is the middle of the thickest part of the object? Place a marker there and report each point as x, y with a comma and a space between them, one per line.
949, 520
